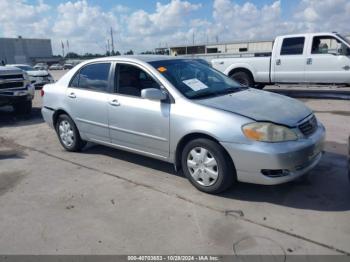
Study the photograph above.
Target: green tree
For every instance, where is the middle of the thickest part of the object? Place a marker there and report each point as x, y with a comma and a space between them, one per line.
72, 55
130, 52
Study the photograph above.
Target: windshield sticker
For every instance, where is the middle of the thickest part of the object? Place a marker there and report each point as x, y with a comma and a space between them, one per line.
195, 84
161, 69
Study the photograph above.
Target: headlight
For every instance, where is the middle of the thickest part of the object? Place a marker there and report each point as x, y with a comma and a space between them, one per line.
268, 132
26, 76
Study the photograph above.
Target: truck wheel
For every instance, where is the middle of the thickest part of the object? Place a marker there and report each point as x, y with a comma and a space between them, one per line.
207, 166
259, 86
68, 134
243, 78
23, 108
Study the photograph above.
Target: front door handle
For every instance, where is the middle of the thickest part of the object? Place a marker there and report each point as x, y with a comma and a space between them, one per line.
346, 67
114, 102
72, 95
309, 61
278, 62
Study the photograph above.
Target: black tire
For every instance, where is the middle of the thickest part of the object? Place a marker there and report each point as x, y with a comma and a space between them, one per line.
77, 143
259, 86
243, 78
225, 168
23, 108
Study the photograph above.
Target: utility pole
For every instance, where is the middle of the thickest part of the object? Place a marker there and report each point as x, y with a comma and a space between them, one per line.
112, 41
193, 38
62, 45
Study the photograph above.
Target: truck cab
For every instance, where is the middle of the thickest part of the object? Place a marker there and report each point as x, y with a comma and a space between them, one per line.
311, 58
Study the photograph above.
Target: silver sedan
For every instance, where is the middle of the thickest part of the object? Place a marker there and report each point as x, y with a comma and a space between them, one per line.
184, 112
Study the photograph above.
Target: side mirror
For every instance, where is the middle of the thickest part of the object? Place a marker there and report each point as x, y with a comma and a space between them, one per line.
153, 94
335, 52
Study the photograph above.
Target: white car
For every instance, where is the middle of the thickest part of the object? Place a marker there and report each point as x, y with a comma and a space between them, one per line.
41, 66
38, 78
313, 58
56, 67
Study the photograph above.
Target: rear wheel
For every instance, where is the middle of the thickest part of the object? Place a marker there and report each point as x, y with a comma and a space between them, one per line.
243, 78
207, 166
68, 134
24, 108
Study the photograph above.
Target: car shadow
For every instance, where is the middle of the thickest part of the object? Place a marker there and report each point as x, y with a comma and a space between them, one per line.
325, 188
8, 117
132, 158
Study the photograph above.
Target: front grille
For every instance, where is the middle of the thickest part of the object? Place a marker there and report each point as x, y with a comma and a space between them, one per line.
9, 85
45, 76
308, 127
10, 77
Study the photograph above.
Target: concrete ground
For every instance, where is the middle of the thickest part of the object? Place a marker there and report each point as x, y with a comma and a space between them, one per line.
105, 201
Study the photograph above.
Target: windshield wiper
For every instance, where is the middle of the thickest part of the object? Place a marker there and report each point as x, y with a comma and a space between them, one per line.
203, 95
229, 90
218, 93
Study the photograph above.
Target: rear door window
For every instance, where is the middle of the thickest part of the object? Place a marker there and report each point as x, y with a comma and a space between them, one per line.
92, 77
293, 46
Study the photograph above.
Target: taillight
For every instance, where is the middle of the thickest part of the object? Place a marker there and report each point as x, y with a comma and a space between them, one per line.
42, 92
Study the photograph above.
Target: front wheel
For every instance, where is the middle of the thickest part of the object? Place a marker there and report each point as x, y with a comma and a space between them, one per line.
207, 166
68, 134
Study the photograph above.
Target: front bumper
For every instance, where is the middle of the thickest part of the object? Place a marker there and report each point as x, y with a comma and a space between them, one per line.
41, 81
10, 97
295, 157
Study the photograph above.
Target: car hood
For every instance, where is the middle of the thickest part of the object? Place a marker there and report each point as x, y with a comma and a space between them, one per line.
7, 70
261, 106
38, 73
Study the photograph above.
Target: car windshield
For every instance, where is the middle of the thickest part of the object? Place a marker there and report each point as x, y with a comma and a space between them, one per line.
195, 79
26, 68
344, 39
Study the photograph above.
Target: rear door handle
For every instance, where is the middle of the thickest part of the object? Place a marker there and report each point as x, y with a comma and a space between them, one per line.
72, 95
309, 61
278, 62
114, 102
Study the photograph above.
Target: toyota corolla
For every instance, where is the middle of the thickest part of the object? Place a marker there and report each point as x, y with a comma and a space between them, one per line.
184, 112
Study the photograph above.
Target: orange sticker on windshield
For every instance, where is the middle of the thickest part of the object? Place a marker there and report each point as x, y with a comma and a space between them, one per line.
161, 69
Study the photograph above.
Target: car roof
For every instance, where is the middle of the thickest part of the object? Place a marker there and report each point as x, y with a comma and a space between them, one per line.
138, 58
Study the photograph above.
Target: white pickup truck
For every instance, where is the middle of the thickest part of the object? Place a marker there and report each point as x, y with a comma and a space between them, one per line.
315, 58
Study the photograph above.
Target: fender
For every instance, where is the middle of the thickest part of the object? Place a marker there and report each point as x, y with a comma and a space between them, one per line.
241, 65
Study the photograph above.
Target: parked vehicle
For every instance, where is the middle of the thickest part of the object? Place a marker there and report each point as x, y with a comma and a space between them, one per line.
184, 112
317, 58
41, 66
38, 78
68, 66
56, 67
16, 89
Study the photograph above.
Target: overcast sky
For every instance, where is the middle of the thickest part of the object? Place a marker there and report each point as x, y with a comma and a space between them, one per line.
145, 24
